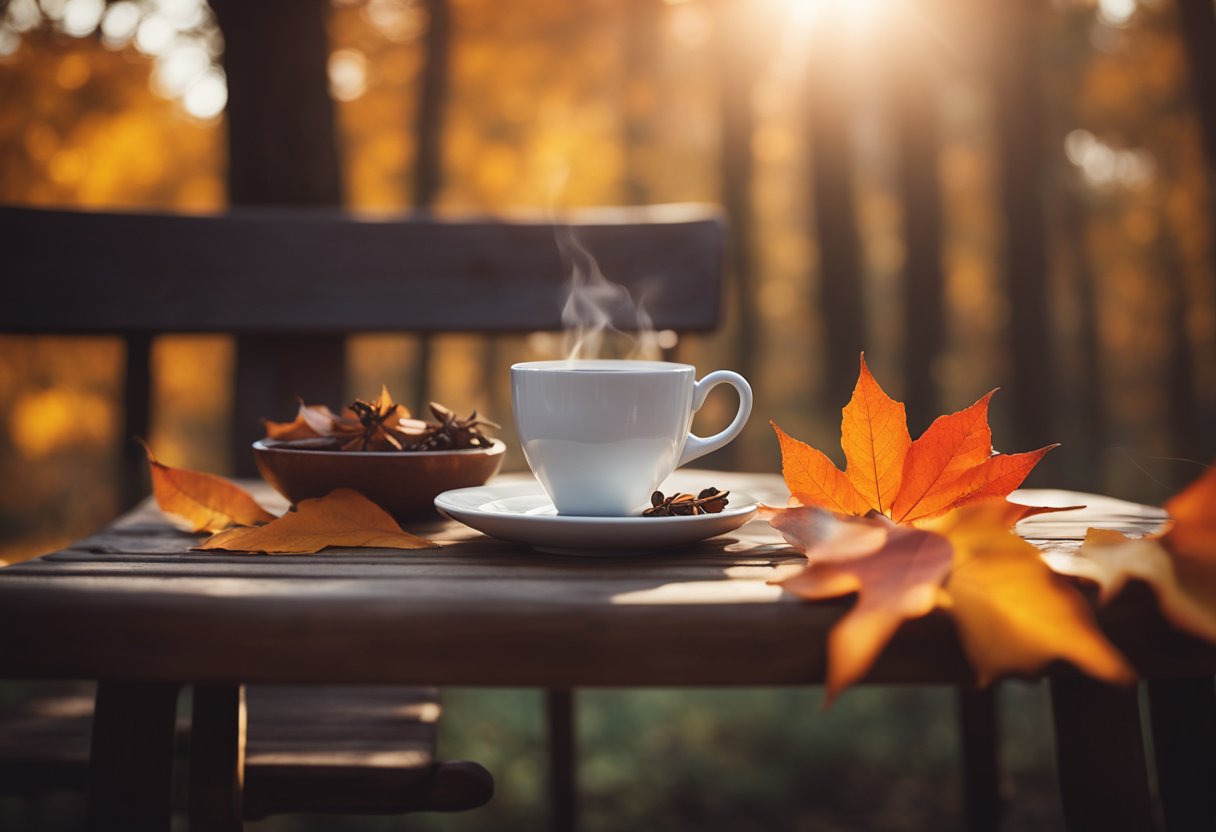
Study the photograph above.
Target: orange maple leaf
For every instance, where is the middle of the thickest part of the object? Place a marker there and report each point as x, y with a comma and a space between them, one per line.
950, 465
1013, 615
1179, 565
341, 518
203, 502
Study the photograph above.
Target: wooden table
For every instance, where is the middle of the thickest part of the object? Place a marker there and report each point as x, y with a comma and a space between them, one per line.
133, 608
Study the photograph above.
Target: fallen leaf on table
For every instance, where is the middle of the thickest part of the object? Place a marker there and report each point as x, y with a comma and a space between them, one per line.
950, 465
204, 502
821, 534
1014, 615
895, 571
341, 518
1178, 565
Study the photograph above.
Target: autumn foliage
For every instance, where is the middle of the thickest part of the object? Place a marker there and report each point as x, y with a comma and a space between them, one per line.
341, 518
916, 526
950, 465
1013, 614
205, 502
1179, 565
202, 502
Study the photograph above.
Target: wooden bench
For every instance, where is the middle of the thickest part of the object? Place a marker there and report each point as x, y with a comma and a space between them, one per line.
373, 752
291, 284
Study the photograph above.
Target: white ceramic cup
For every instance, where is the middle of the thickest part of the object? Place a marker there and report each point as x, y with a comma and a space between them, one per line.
601, 435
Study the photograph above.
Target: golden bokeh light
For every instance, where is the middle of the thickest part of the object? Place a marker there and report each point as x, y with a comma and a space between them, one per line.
59, 419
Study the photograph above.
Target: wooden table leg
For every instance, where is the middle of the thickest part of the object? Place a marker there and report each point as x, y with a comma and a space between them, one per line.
217, 758
1100, 756
1183, 715
131, 761
980, 736
563, 759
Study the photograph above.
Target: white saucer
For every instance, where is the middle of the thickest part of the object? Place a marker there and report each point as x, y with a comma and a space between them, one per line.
523, 513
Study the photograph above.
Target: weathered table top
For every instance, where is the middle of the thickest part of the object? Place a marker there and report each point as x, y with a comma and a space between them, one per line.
133, 603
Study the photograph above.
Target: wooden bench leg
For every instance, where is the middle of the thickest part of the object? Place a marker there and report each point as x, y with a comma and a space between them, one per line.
563, 774
980, 738
1100, 756
1183, 716
217, 758
131, 758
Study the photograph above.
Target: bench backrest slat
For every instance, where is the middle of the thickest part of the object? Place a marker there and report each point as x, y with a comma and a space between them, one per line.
304, 271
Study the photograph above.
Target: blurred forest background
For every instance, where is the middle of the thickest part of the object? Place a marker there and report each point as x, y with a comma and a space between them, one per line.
874, 145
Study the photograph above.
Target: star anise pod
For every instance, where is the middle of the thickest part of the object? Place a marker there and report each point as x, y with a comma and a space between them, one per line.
450, 432
370, 426
709, 501
379, 425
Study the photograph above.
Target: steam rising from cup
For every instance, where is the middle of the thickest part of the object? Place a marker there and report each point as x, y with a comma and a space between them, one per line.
593, 307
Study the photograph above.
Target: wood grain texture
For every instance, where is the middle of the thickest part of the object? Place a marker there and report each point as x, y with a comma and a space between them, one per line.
484, 612
274, 272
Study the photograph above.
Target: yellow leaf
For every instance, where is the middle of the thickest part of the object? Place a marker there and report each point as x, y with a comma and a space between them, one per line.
1179, 565
203, 501
341, 518
1185, 587
1014, 615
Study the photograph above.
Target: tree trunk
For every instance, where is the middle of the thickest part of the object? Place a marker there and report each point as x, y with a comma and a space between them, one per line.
643, 48
282, 147
1016, 50
738, 68
282, 150
428, 159
911, 104
841, 299
1197, 25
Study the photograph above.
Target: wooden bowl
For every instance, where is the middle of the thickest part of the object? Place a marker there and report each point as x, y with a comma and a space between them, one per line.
404, 484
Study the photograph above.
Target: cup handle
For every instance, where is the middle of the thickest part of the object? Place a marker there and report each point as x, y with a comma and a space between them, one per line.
697, 446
